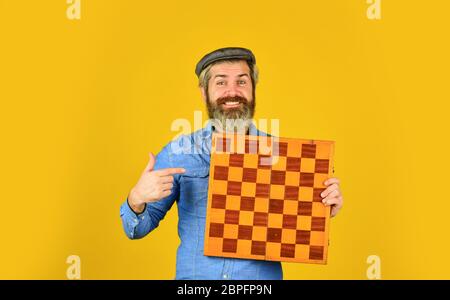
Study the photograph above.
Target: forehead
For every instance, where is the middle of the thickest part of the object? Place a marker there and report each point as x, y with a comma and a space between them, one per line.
230, 68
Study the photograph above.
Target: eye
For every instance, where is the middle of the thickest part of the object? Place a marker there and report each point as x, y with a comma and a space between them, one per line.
242, 82
220, 83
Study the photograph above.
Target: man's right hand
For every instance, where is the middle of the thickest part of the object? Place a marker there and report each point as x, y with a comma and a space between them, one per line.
152, 186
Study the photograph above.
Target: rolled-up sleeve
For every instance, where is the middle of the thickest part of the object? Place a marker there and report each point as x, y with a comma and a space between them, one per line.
137, 226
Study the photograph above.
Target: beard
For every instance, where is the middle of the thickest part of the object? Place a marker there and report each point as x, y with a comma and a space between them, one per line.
235, 119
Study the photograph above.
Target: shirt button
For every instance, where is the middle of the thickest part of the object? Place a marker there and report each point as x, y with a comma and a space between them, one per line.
225, 276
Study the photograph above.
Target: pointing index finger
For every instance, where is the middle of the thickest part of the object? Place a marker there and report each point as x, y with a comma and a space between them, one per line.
170, 171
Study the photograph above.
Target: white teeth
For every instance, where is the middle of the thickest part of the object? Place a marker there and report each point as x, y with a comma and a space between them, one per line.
231, 103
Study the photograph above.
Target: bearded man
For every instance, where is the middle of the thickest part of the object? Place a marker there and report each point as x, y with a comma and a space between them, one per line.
227, 81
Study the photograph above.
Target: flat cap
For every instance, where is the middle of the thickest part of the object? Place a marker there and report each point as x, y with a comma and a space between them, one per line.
224, 53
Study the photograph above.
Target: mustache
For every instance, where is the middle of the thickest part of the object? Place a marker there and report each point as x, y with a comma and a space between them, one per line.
239, 99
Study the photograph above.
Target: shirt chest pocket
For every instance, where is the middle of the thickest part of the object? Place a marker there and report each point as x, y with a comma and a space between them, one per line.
194, 190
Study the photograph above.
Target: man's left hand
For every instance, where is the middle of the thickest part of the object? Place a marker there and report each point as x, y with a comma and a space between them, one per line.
332, 195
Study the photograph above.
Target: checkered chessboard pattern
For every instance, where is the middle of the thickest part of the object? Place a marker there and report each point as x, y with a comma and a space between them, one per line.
264, 198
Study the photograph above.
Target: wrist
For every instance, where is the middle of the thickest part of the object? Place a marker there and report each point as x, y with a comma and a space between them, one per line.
135, 203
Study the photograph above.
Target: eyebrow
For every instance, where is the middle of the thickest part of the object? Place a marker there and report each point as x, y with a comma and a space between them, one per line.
224, 76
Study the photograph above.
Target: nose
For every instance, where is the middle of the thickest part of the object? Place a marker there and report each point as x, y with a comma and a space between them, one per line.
232, 90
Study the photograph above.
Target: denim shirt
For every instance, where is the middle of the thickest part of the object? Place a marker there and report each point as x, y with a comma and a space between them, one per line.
190, 191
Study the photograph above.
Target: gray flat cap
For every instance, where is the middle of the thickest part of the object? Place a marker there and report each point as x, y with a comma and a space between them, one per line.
224, 53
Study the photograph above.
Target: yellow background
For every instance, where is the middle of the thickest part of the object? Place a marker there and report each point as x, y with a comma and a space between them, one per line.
84, 101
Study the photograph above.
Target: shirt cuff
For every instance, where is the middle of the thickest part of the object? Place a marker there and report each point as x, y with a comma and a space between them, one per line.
132, 211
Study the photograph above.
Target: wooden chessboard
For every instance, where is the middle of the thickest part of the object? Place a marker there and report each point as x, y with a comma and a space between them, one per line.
264, 198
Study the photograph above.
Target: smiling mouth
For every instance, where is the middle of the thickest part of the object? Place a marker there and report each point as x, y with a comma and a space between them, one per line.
231, 104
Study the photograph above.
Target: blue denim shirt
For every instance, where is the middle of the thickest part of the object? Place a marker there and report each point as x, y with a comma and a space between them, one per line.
190, 191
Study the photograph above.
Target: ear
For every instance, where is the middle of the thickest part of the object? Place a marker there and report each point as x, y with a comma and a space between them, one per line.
202, 90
